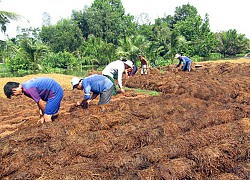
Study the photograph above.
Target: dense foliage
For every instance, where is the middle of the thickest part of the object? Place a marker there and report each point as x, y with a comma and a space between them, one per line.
101, 33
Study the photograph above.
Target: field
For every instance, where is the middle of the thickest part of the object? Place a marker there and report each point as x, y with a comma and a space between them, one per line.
198, 127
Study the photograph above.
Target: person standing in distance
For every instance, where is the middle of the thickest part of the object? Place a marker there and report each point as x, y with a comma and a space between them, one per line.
144, 64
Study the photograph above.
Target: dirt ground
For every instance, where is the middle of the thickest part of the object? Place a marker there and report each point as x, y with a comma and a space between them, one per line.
197, 128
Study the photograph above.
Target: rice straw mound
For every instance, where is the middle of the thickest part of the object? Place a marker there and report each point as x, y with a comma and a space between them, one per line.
198, 127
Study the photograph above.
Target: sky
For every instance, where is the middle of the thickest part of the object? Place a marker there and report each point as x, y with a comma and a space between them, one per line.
223, 14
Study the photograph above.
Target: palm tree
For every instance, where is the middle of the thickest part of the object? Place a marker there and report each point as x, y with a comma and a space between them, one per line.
5, 18
34, 50
131, 46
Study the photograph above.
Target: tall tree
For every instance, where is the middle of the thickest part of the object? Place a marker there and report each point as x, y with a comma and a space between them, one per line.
98, 50
46, 19
161, 36
198, 39
64, 36
107, 19
79, 17
183, 12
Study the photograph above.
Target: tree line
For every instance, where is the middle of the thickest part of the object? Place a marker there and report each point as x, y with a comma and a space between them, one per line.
102, 33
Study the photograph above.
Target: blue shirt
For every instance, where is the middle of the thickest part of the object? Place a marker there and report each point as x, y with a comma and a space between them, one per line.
41, 88
185, 60
95, 83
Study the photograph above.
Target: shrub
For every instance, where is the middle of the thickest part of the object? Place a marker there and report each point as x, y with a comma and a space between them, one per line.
214, 56
161, 62
64, 60
196, 58
18, 63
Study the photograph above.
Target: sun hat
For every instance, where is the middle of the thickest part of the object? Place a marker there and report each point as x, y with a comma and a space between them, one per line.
75, 81
177, 56
129, 63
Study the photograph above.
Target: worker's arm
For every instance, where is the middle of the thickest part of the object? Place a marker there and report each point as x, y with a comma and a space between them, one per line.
41, 105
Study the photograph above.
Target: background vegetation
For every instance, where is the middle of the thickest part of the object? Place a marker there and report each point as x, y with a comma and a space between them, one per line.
101, 33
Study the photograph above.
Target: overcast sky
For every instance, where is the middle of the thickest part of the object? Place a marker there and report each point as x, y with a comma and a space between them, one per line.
223, 14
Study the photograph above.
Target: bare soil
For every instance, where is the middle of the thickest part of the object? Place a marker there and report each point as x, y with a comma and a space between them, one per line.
197, 128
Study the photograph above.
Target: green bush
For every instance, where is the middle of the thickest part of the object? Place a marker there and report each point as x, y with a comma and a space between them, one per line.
18, 63
196, 58
160, 61
215, 56
22, 72
64, 60
240, 55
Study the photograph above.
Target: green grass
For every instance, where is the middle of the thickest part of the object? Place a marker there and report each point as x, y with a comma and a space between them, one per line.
143, 91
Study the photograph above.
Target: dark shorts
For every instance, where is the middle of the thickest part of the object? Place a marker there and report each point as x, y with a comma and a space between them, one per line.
187, 66
113, 81
134, 70
105, 96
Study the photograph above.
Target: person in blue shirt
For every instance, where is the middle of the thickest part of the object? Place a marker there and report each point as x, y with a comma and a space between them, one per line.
46, 92
186, 62
95, 84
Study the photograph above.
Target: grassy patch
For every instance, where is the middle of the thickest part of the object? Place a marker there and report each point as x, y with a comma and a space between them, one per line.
143, 91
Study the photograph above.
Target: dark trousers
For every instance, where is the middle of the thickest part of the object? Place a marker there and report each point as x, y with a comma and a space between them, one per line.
113, 81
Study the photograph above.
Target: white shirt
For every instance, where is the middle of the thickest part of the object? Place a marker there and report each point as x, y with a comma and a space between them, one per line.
115, 67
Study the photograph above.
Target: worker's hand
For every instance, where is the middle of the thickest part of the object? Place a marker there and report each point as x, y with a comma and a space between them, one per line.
41, 120
123, 91
47, 118
85, 105
78, 103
